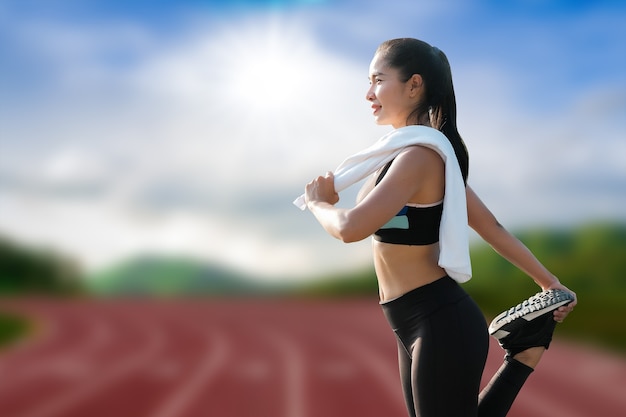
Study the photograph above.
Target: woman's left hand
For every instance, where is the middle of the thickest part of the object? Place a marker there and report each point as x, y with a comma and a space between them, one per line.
322, 189
562, 312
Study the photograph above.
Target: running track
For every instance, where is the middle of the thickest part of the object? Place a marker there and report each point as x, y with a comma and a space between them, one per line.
250, 358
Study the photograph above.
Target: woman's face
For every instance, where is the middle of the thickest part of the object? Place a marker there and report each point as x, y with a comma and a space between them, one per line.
392, 99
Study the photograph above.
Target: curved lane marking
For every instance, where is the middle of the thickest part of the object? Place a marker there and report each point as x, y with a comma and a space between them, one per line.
294, 373
207, 369
62, 363
386, 375
72, 364
56, 407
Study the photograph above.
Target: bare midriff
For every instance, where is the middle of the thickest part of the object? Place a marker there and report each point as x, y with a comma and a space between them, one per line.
402, 268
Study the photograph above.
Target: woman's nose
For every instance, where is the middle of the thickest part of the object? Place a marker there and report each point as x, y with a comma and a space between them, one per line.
369, 96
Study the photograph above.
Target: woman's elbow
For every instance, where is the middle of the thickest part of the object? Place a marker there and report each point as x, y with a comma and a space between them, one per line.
351, 231
351, 238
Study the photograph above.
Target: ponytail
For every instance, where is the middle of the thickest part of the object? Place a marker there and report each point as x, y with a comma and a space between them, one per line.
442, 112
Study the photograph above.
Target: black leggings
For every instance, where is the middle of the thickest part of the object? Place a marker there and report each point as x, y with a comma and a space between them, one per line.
442, 349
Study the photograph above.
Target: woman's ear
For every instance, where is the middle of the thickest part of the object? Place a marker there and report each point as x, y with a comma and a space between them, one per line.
415, 83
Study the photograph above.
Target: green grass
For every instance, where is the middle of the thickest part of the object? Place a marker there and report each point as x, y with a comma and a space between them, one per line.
590, 260
12, 328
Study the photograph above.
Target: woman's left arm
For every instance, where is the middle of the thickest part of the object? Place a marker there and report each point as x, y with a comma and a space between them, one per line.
512, 249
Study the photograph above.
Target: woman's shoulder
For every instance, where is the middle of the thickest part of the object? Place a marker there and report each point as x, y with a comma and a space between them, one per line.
414, 164
420, 154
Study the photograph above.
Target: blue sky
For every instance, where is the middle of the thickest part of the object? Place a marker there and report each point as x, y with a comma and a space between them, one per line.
187, 127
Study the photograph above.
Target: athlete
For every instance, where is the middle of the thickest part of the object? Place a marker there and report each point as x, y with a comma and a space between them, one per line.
442, 335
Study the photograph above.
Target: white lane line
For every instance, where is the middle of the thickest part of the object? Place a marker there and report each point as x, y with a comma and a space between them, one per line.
60, 404
337, 369
294, 374
165, 370
386, 375
599, 374
46, 334
70, 364
537, 402
207, 369
65, 368
67, 363
254, 370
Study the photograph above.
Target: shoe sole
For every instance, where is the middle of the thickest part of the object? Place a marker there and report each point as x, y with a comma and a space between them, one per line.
535, 306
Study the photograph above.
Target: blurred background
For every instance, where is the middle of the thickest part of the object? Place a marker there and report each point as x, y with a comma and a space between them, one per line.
153, 148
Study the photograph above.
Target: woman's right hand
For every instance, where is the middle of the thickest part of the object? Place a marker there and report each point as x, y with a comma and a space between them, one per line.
321, 189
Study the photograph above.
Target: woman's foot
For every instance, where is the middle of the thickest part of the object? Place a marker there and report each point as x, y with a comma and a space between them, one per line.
529, 324
531, 356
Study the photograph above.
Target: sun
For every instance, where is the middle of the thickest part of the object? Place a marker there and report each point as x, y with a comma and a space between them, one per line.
267, 71
268, 80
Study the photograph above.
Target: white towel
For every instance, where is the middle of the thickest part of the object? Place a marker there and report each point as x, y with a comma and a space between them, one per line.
453, 233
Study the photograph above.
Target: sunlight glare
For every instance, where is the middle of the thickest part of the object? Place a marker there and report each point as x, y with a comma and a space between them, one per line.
268, 71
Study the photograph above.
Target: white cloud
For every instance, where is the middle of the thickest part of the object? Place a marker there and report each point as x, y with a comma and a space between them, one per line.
198, 146
544, 168
185, 137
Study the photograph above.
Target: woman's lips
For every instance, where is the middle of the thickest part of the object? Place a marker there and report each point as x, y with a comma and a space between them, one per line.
376, 108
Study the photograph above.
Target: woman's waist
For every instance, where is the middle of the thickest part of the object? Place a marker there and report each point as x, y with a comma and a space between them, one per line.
419, 303
402, 270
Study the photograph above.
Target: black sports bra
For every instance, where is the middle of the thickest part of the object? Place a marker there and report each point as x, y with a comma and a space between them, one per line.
413, 225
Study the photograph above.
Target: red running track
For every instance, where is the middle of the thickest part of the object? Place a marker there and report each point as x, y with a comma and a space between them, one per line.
251, 358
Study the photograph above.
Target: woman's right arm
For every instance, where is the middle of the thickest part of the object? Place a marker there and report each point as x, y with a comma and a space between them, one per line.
404, 179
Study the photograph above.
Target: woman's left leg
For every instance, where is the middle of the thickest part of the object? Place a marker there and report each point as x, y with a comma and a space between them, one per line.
448, 358
405, 361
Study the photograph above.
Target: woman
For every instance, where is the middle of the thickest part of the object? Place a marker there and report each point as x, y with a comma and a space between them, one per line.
442, 335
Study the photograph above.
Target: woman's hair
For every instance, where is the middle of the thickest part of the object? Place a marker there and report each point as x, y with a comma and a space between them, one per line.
412, 56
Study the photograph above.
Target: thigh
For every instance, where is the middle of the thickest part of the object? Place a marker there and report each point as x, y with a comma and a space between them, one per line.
404, 362
448, 359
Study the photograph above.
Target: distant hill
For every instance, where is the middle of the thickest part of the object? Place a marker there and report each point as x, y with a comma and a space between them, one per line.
26, 269
165, 276
179, 276
590, 260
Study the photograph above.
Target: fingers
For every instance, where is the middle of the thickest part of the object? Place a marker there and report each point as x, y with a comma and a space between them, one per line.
322, 188
561, 313
323, 178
